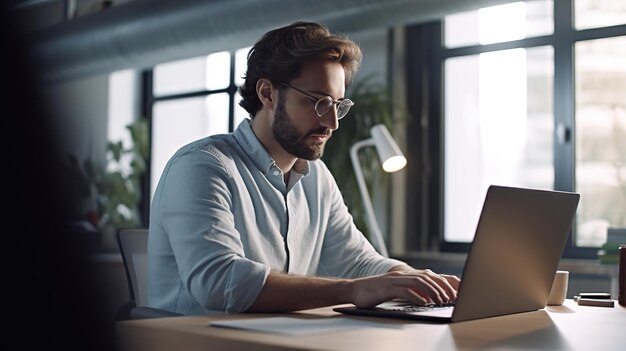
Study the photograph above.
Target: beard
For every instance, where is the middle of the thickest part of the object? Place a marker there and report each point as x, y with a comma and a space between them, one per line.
291, 140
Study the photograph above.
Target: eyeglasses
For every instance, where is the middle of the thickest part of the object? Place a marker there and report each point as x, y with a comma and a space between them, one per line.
324, 104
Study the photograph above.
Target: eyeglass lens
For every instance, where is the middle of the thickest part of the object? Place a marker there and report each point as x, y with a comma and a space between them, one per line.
323, 105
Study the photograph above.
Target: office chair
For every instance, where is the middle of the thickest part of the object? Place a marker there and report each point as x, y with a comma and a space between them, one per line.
133, 244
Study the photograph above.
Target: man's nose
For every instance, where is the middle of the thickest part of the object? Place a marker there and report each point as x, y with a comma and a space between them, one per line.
330, 120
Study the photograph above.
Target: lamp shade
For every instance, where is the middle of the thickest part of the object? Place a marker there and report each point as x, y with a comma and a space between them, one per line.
390, 154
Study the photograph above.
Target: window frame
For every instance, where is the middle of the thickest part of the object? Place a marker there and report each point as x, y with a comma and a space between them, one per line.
426, 213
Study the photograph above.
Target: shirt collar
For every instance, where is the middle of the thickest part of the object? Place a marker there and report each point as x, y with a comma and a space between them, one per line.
257, 153
301, 167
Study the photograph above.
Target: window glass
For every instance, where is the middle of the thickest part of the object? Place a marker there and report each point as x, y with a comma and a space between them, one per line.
217, 113
499, 23
218, 70
180, 76
122, 105
211, 72
178, 122
498, 125
240, 112
599, 13
122, 111
241, 64
600, 137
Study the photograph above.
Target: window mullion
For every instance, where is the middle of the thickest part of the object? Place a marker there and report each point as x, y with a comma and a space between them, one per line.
232, 91
147, 102
563, 96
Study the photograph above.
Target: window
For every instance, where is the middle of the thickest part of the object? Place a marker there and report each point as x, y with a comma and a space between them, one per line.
498, 127
532, 96
599, 13
121, 105
498, 120
499, 24
192, 99
122, 111
600, 137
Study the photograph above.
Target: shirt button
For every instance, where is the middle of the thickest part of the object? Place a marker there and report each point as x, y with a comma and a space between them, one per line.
276, 172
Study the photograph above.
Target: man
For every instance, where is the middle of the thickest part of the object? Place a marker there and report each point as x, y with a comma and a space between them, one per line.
253, 220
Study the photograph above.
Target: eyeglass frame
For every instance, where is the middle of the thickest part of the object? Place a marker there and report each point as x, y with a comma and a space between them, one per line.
316, 100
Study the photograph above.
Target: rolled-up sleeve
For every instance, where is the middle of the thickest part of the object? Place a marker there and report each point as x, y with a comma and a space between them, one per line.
195, 209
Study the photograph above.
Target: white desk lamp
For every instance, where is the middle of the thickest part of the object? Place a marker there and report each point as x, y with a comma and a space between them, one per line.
392, 160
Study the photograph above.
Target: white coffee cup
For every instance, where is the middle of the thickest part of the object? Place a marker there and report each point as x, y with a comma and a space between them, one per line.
559, 288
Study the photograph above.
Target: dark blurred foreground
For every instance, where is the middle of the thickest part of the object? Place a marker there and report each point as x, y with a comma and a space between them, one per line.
46, 281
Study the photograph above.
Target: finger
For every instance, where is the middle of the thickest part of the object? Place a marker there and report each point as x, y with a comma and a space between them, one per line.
423, 285
438, 284
435, 288
445, 289
445, 292
447, 283
451, 290
453, 283
412, 297
453, 280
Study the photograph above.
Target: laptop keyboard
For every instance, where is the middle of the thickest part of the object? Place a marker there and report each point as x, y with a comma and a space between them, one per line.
415, 308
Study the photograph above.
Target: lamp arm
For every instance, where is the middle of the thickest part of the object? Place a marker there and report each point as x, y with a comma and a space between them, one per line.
372, 223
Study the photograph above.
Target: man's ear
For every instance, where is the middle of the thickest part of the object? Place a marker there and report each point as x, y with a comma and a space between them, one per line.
264, 90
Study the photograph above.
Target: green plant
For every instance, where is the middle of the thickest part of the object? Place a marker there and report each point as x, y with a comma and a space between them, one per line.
119, 184
373, 105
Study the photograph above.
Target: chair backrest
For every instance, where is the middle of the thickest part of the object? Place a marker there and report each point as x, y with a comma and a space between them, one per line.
133, 245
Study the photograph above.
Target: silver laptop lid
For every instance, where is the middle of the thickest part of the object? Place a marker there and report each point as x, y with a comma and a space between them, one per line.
519, 240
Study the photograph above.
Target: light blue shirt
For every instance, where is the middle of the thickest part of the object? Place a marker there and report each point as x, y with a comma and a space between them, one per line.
222, 217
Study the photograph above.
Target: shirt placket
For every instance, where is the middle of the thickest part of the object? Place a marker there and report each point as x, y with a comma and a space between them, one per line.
275, 176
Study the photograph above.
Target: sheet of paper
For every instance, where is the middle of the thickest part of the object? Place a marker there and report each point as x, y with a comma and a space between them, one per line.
298, 326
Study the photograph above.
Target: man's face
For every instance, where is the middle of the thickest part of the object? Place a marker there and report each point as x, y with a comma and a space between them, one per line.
296, 127
292, 140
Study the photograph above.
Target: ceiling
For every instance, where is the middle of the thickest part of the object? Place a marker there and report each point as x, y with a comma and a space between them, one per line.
142, 33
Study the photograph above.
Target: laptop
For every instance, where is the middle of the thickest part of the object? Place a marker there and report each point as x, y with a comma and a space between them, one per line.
511, 263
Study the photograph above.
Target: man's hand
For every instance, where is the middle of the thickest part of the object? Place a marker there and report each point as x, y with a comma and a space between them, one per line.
283, 292
419, 287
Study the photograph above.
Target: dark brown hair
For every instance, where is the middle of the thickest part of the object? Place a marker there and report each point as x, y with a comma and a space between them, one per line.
280, 54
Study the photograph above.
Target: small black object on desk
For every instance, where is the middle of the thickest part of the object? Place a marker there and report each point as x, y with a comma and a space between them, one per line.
600, 299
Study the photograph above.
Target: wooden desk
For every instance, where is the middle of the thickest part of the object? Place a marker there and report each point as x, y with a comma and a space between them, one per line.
567, 327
